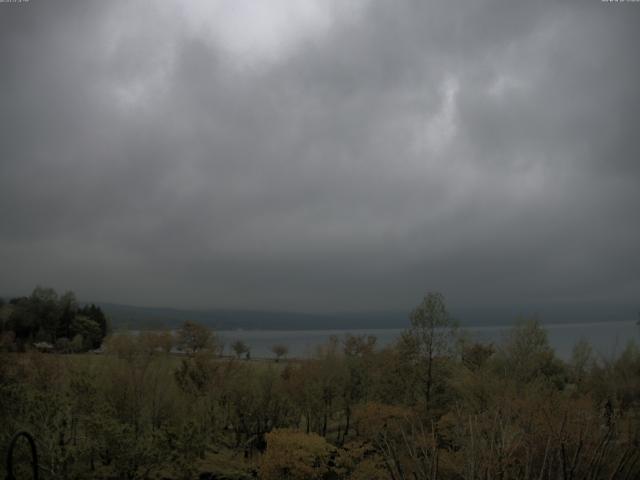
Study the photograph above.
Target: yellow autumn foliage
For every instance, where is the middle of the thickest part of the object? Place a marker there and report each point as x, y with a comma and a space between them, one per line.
294, 455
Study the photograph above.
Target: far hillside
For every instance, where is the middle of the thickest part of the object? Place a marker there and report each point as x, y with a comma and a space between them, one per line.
149, 318
155, 318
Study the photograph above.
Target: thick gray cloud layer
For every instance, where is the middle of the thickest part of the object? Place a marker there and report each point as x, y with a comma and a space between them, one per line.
309, 156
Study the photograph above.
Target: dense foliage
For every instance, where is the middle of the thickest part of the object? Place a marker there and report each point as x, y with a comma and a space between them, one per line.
433, 406
51, 321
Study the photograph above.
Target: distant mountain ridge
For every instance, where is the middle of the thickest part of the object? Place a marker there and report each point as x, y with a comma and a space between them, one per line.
135, 317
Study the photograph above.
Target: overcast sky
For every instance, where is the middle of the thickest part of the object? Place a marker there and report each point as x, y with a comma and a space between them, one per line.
320, 155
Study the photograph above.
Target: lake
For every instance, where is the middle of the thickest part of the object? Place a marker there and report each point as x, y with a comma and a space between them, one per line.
608, 339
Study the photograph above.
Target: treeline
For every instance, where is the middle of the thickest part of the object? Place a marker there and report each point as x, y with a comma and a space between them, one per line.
49, 321
435, 405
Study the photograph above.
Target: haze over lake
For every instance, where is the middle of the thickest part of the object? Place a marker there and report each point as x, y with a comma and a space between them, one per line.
607, 338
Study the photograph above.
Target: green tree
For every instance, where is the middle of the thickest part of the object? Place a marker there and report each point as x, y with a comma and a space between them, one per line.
37, 313
88, 329
359, 351
280, 351
166, 341
77, 343
195, 374
97, 315
162, 341
432, 334
239, 348
293, 455
23, 320
526, 354
193, 337
581, 361
475, 355
68, 307
44, 304
359, 345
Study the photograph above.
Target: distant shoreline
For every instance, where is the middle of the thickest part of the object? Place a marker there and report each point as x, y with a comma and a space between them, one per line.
374, 328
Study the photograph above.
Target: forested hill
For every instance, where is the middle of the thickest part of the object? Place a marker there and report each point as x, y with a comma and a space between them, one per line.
134, 317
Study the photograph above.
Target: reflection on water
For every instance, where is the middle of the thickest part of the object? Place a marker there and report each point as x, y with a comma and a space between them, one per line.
608, 339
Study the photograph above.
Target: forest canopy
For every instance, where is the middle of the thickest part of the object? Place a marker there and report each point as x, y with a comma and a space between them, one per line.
434, 405
51, 321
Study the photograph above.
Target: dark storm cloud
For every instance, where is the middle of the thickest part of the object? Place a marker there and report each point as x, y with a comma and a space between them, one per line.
321, 158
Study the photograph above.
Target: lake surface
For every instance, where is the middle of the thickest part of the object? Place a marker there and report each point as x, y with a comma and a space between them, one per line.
608, 339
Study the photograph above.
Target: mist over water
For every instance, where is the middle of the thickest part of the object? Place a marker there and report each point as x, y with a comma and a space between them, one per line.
608, 339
